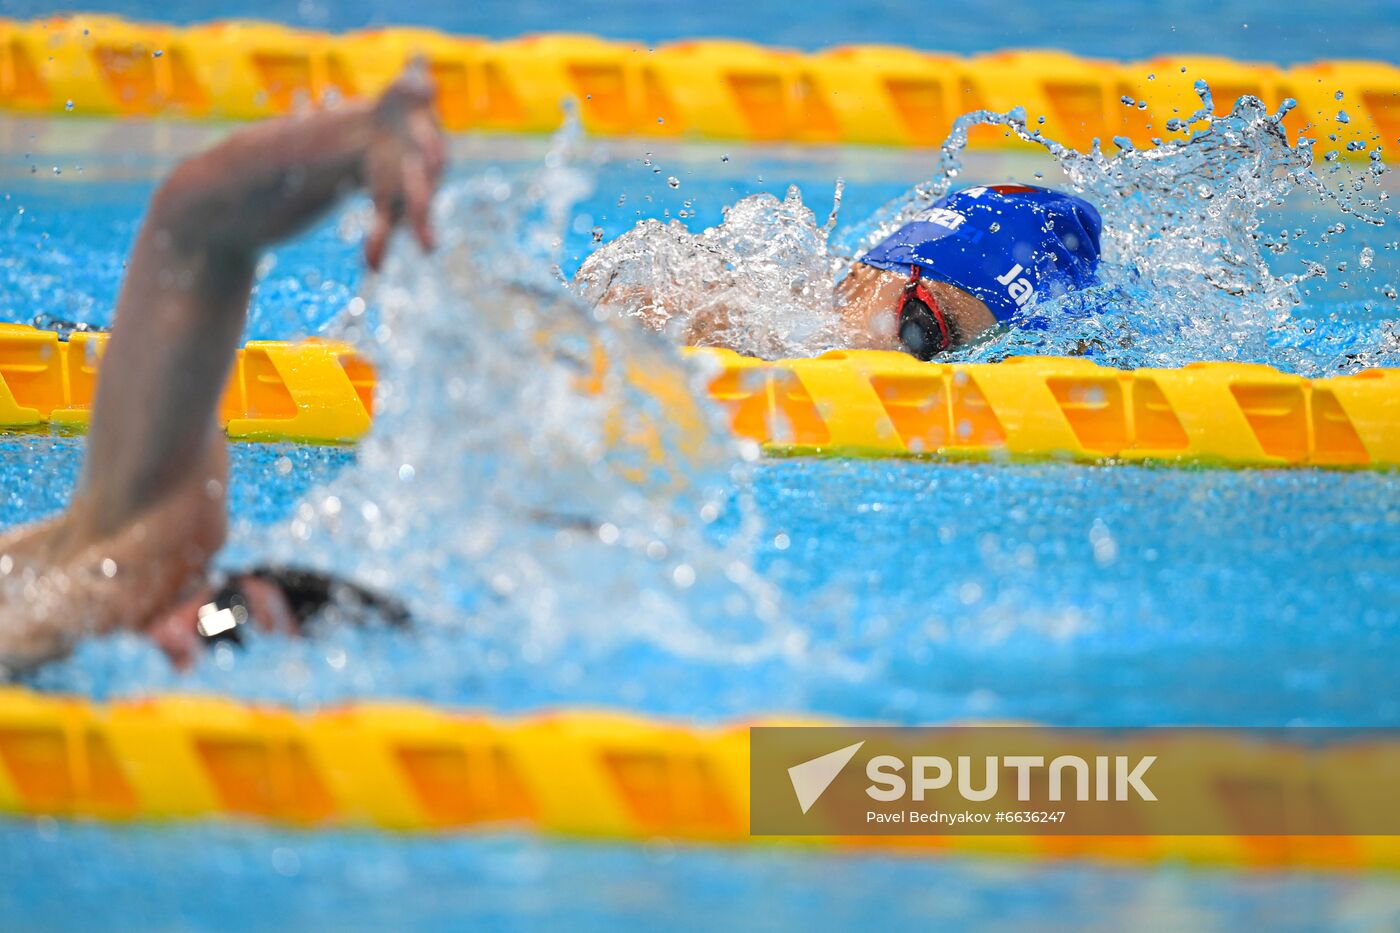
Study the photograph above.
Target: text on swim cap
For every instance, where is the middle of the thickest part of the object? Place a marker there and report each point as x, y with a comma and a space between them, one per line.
1017, 286
943, 216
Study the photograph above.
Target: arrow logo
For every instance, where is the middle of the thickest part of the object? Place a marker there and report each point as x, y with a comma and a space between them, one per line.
811, 778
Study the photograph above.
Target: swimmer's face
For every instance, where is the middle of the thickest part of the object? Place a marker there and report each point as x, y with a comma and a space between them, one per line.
177, 631
868, 297
967, 313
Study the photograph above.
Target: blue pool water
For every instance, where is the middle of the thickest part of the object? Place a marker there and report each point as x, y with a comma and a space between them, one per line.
59, 876
1055, 593
923, 592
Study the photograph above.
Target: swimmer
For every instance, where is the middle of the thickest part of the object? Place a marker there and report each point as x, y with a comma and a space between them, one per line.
959, 268
134, 547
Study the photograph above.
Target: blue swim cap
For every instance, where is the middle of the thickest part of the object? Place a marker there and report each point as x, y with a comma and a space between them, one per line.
1010, 245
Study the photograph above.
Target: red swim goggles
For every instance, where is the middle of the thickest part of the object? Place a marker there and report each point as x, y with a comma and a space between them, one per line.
923, 330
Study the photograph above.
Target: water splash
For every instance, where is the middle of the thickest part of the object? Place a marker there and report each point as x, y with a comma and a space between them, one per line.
539, 476
540, 472
1191, 267
762, 282
1190, 270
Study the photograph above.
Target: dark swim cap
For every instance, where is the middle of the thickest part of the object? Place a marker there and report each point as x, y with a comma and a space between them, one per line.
1009, 245
307, 593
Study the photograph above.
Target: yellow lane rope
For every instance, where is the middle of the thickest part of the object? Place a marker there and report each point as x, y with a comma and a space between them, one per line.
94, 65
413, 768
847, 403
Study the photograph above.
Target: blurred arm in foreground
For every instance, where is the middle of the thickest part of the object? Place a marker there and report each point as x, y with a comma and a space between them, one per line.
149, 511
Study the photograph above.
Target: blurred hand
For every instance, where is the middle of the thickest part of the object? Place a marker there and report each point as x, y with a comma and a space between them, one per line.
404, 163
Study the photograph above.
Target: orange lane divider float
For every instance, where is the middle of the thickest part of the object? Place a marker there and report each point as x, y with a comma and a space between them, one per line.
415, 768
317, 392
701, 89
847, 403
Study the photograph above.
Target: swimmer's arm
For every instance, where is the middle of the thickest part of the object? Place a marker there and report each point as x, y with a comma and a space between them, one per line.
703, 313
269, 181
185, 295
702, 317
694, 317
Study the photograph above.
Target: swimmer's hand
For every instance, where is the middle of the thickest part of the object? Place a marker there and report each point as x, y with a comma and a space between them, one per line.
403, 163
